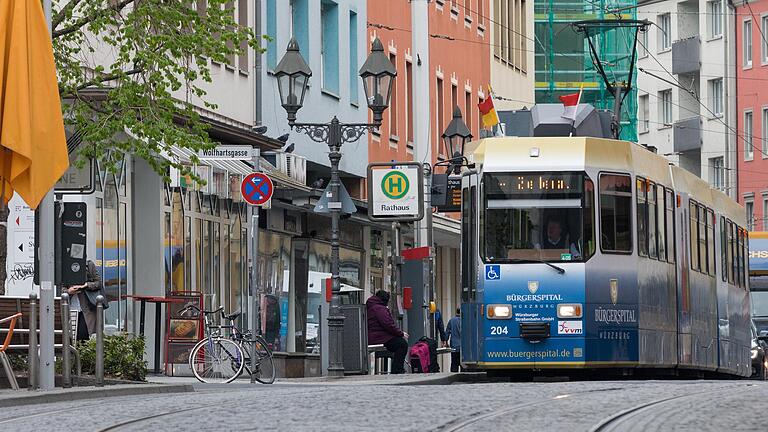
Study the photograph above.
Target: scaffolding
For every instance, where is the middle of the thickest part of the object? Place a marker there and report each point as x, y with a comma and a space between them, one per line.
563, 62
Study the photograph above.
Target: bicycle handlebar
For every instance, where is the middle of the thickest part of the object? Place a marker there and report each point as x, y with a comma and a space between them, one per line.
207, 312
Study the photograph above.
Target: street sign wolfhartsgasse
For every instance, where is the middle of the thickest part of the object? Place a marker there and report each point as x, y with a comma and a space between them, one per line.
395, 191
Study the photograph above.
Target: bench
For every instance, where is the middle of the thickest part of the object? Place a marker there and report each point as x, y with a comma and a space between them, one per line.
11, 320
17, 339
377, 354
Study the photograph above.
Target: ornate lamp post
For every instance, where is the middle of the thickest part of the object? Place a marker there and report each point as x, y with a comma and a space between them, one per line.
293, 74
456, 135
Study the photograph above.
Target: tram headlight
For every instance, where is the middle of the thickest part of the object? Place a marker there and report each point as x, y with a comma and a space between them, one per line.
754, 353
569, 310
499, 311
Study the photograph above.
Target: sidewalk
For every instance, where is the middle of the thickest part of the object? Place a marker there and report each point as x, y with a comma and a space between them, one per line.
404, 379
9, 398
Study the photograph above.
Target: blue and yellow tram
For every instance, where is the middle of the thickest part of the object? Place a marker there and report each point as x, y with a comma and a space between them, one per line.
594, 253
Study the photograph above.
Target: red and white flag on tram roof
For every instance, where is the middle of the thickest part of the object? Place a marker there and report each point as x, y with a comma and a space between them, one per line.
571, 104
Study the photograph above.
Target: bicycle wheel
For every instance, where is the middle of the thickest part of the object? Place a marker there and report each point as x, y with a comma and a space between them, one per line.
265, 366
216, 360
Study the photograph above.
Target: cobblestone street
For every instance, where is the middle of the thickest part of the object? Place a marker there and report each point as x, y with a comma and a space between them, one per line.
571, 406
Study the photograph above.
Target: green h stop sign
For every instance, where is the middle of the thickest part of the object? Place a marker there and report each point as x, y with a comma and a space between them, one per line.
395, 185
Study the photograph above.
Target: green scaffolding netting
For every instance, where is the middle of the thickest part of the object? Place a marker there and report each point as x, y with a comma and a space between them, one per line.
563, 62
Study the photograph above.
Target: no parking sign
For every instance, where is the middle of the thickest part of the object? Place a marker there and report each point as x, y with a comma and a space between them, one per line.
257, 189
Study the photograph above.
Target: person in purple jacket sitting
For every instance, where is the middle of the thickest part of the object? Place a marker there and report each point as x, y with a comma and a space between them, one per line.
382, 330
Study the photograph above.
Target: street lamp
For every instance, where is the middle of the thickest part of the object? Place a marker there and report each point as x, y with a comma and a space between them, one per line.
456, 135
293, 74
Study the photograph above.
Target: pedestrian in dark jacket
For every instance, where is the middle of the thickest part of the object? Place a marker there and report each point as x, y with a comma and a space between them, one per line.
79, 301
382, 330
454, 336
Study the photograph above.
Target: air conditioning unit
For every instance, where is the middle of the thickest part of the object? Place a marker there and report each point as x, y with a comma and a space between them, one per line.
293, 166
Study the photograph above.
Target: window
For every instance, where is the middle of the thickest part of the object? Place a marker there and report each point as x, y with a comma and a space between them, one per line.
723, 249
716, 96
702, 219
509, 29
665, 108
746, 43
615, 213
664, 31
393, 100
749, 150
537, 216
730, 251
642, 50
765, 213
300, 25
651, 200
454, 99
644, 114
670, 225
642, 217
242, 21
717, 173
661, 232
714, 19
439, 112
272, 33
468, 109
763, 42
409, 98
710, 225
329, 46
749, 206
764, 140
353, 67
693, 210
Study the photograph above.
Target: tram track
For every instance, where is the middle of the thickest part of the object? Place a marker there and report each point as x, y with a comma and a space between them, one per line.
616, 421
463, 422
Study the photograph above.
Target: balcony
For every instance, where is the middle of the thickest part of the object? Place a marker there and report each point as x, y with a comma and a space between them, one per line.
687, 134
686, 55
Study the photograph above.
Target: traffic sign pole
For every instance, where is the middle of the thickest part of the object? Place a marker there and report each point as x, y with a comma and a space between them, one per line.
254, 303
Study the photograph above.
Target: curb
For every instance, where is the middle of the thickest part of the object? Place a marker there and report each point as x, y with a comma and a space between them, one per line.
92, 393
443, 380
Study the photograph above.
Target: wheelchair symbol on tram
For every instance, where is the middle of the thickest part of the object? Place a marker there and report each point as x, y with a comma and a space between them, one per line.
493, 272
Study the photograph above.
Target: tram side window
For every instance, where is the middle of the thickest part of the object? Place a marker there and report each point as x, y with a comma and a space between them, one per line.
466, 270
651, 197
660, 227
730, 253
711, 241
694, 231
670, 225
745, 254
742, 258
642, 217
589, 219
702, 239
615, 213
472, 241
723, 249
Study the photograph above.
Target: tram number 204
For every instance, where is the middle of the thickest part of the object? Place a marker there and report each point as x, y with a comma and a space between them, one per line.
499, 330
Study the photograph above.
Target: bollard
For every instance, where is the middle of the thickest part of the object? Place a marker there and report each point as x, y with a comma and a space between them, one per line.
32, 357
100, 341
66, 335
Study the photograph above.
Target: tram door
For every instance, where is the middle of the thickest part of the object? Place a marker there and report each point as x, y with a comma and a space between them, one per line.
470, 336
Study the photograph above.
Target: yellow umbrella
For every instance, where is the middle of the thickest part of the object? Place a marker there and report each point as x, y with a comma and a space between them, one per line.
33, 147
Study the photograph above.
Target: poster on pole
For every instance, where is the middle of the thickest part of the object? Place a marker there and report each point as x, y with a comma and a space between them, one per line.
395, 191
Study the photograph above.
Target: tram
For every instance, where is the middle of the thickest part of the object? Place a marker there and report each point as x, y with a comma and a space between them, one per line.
589, 253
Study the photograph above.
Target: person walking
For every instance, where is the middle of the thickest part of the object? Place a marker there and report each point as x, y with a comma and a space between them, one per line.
453, 331
382, 330
83, 301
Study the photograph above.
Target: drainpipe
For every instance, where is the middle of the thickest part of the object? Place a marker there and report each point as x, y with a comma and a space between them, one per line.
727, 175
257, 65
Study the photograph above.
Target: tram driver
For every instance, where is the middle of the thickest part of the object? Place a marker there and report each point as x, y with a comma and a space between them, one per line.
557, 238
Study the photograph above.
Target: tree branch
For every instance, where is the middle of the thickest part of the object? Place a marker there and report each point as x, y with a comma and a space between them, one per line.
101, 79
118, 7
64, 12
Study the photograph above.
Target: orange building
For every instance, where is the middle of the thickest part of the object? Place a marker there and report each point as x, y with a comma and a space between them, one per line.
460, 67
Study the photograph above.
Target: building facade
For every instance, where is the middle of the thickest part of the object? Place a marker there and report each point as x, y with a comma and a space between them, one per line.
512, 46
687, 88
752, 111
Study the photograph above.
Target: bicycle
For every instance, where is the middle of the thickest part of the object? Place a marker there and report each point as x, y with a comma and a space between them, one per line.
221, 359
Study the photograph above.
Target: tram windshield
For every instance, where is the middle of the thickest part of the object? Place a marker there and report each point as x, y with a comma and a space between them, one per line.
530, 217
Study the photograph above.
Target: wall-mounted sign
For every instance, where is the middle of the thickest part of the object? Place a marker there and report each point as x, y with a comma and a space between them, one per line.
395, 191
227, 152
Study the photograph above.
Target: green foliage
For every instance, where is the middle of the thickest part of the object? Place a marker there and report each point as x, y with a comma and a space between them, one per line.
123, 357
137, 65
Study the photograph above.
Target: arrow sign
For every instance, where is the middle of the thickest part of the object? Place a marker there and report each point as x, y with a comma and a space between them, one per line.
257, 189
346, 205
